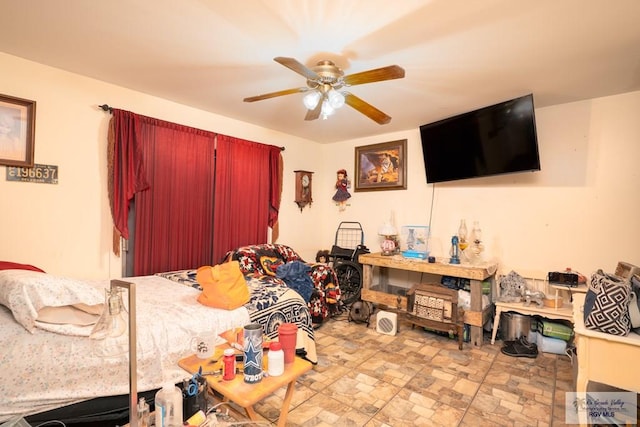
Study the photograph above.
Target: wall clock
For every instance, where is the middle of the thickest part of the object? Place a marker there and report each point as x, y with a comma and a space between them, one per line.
303, 188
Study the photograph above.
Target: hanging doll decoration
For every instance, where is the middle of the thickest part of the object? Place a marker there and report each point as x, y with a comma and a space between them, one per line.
342, 195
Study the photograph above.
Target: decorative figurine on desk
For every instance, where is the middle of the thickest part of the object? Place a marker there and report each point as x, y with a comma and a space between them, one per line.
533, 296
512, 287
455, 251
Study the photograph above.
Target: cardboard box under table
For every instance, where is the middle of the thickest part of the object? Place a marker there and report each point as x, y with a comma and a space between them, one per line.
243, 394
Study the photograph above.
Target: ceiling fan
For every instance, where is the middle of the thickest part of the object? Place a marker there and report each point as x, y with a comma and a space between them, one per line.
325, 84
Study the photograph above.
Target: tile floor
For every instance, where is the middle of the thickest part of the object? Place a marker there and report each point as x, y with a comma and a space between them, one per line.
418, 378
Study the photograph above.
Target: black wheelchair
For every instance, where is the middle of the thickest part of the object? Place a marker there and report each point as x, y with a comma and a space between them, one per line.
344, 258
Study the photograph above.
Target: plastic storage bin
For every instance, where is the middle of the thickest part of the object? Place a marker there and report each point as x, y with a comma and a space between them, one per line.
555, 330
550, 345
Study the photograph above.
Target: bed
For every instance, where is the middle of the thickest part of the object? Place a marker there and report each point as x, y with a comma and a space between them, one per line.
50, 371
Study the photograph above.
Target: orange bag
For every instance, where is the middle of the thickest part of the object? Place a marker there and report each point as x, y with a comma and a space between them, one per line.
223, 286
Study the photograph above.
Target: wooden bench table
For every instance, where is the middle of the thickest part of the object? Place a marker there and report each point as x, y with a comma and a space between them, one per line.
476, 316
247, 395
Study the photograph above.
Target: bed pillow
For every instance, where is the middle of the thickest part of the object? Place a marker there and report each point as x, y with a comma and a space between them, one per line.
269, 261
26, 293
8, 265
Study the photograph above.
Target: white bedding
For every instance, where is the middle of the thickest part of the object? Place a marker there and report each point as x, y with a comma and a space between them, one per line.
44, 370
37, 299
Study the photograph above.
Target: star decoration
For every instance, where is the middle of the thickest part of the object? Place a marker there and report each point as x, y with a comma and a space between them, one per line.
252, 358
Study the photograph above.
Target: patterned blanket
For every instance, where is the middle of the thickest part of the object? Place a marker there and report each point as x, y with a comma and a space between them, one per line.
271, 304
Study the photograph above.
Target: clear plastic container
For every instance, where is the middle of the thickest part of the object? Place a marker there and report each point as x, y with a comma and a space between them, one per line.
168, 406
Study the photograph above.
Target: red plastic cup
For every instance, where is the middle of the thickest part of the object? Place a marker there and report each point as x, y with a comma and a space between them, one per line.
287, 335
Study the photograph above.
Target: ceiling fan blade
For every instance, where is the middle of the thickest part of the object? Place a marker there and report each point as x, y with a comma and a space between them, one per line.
296, 66
379, 74
275, 94
367, 109
315, 113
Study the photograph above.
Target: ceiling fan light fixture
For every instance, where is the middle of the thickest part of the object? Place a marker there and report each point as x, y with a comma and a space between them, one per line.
311, 100
327, 109
324, 82
336, 99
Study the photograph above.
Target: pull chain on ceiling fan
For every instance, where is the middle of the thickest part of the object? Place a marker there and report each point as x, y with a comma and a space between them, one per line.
325, 82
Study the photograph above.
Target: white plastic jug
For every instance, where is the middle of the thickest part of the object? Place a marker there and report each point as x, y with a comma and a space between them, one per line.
169, 406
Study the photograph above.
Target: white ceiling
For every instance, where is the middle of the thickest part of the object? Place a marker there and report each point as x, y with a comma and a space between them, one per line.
458, 54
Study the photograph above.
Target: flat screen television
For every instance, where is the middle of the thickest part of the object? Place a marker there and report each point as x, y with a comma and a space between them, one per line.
493, 140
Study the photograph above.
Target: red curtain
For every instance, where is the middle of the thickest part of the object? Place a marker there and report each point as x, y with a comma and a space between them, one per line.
247, 193
197, 194
126, 167
174, 217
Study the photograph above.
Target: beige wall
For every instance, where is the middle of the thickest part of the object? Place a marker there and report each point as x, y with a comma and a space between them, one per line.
579, 211
66, 228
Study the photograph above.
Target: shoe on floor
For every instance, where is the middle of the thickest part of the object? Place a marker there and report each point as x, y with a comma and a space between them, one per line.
525, 342
517, 349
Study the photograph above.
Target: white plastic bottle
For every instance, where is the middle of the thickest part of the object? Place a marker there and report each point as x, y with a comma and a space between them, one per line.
275, 359
169, 406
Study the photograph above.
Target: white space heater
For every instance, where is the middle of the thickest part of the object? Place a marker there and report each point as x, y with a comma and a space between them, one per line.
387, 323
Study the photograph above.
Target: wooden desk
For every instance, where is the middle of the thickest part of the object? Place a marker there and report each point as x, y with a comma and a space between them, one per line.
246, 395
475, 316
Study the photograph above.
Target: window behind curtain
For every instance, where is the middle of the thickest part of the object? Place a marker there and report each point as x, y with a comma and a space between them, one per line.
171, 171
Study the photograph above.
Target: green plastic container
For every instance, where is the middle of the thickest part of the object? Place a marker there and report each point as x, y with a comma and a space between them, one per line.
555, 330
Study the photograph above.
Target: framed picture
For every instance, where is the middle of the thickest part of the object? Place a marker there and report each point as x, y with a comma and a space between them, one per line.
381, 166
17, 130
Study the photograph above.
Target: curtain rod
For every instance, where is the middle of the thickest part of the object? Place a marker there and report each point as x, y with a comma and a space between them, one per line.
106, 107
